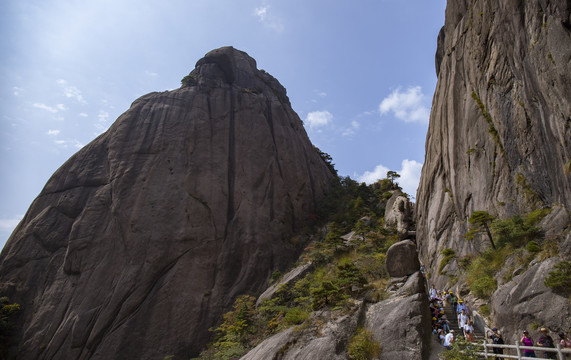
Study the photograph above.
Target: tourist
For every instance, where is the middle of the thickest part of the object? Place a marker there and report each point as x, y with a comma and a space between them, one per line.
468, 329
432, 292
564, 341
448, 340
496, 338
462, 319
545, 340
526, 340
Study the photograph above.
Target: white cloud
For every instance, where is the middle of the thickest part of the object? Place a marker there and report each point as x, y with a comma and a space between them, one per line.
316, 119
353, 129
409, 176
17, 90
407, 106
45, 107
151, 73
53, 132
69, 143
369, 177
102, 116
83, 114
71, 91
61, 107
268, 19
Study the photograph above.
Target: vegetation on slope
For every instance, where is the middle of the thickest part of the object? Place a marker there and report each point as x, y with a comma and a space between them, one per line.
342, 271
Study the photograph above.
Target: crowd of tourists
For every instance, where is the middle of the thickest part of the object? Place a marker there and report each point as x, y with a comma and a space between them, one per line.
441, 328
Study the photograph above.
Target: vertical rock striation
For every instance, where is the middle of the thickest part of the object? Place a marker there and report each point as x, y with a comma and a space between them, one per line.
500, 127
141, 240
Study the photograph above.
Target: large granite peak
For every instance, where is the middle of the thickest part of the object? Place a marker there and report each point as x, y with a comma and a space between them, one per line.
141, 240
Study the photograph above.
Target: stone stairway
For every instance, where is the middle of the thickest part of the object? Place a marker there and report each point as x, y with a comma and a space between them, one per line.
453, 319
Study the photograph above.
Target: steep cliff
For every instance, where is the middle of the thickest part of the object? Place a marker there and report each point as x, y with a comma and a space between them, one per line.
500, 127
141, 240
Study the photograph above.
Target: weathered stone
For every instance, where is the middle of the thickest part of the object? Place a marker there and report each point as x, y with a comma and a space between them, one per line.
141, 240
402, 323
291, 276
402, 259
525, 301
327, 341
499, 126
398, 213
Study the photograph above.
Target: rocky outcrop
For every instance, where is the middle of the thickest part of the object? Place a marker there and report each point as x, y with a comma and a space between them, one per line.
499, 133
398, 214
525, 301
141, 240
292, 276
326, 337
402, 323
402, 259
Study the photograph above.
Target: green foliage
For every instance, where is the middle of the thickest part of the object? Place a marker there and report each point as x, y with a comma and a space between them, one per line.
531, 197
276, 275
449, 254
559, 279
481, 273
484, 310
518, 230
533, 247
461, 350
8, 315
480, 222
491, 128
327, 159
188, 80
362, 346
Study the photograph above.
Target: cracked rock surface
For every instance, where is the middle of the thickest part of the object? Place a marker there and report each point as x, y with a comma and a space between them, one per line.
142, 239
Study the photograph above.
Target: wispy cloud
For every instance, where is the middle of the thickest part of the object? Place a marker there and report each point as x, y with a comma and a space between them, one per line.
151, 73
266, 17
408, 106
353, 129
17, 90
45, 107
83, 114
71, 91
317, 119
103, 116
69, 143
53, 132
409, 176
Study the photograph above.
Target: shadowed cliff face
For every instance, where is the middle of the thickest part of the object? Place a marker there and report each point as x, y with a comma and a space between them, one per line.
141, 240
500, 126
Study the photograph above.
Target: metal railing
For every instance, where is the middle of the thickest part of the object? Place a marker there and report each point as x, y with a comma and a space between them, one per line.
488, 352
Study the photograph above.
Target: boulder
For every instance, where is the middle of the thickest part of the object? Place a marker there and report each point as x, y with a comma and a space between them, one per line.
402, 323
398, 213
143, 239
402, 259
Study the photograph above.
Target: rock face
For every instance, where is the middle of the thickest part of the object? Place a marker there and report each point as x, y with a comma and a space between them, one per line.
402, 323
398, 213
141, 240
402, 259
500, 126
526, 300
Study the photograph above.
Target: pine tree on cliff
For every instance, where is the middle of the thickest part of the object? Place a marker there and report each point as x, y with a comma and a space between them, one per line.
480, 222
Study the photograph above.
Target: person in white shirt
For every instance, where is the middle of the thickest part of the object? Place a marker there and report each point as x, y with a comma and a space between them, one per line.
462, 319
448, 340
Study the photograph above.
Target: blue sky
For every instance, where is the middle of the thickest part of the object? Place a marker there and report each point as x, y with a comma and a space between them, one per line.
360, 74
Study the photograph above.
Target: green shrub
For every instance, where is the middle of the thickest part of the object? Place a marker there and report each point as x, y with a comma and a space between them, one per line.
560, 278
461, 350
484, 310
481, 273
296, 316
362, 346
449, 254
533, 247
